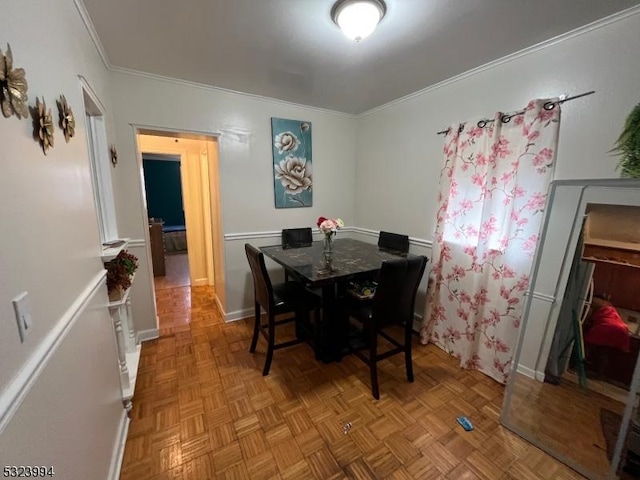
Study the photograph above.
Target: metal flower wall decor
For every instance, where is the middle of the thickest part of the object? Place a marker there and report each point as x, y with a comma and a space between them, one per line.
43, 125
13, 87
67, 120
114, 155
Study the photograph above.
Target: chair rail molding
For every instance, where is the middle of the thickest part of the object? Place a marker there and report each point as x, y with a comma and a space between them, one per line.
229, 237
137, 243
12, 397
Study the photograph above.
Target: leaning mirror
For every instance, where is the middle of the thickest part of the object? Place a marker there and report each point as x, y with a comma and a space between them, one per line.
572, 389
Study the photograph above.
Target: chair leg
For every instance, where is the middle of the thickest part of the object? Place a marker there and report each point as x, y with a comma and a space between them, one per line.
270, 344
407, 354
256, 329
373, 362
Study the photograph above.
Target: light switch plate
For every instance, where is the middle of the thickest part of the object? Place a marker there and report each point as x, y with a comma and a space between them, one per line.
22, 309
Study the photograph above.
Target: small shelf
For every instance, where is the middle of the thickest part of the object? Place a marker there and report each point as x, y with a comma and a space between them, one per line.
109, 253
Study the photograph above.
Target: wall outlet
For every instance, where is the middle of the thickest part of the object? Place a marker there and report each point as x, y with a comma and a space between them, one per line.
22, 309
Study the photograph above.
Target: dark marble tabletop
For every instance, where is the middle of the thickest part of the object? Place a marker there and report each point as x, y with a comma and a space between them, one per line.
350, 258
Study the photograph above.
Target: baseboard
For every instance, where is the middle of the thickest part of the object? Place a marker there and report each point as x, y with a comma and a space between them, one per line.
417, 322
200, 282
144, 335
238, 315
219, 305
118, 447
13, 395
527, 372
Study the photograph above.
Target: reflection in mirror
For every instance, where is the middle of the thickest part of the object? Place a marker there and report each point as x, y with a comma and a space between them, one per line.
572, 391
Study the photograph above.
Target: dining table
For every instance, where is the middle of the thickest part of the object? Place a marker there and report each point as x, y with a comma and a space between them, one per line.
330, 274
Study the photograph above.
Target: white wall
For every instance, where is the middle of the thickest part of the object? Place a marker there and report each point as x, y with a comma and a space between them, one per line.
399, 155
245, 164
50, 248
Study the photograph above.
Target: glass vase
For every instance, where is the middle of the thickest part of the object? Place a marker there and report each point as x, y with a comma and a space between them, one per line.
327, 250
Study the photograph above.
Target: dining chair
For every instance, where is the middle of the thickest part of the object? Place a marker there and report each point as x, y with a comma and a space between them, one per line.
393, 241
288, 297
393, 304
297, 237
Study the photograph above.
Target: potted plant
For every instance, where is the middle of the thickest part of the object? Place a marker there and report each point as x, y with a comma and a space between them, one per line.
628, 145
119, 273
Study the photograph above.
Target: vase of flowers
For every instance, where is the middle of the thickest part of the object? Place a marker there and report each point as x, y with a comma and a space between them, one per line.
329, 227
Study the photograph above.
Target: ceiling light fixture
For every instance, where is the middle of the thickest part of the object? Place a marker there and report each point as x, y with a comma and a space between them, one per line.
358, 18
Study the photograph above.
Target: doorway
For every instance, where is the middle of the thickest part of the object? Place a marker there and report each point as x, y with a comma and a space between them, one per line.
180, 177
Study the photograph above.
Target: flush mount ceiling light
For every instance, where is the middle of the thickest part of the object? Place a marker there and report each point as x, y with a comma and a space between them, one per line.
358, 18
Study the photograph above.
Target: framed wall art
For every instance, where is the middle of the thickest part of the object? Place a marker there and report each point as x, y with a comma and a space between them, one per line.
292, 165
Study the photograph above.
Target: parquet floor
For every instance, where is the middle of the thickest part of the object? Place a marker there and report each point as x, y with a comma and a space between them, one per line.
566, 418
202, 410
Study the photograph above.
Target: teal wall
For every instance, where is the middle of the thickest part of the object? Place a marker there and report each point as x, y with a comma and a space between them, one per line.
164, 190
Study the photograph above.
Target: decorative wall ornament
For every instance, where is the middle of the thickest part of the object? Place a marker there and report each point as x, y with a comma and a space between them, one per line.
67, 120
13, 87
43, 125
114, 155
293, 180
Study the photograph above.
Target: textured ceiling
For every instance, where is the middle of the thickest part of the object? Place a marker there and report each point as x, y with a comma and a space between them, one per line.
291, 50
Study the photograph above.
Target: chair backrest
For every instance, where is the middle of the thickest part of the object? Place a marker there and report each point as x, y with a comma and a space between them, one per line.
415, 270
394, 241
388, 298
397, 288
297, 237
262, 287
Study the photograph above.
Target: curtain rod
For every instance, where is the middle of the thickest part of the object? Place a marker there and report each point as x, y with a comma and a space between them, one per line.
508, 116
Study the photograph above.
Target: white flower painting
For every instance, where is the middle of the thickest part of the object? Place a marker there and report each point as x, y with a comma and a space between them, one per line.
292, 168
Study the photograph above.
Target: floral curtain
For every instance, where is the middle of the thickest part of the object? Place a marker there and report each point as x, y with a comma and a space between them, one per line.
492, 193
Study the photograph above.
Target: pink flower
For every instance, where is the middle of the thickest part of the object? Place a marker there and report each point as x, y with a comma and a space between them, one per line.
458, 271
533, 136
462, 313
446, 252
481, 159
501, 147
504, 292
489, 227
530, 244
518, 191
477, 179
466, 204
507, 272
523, 283
452, 334
475, 132
545, 115
464, 297
537, 201
500, 346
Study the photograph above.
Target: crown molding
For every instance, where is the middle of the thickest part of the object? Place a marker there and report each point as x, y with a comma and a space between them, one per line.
603, 22
226, 91
86, 19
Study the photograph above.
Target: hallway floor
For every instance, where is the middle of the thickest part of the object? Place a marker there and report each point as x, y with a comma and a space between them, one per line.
177, 272
203, 410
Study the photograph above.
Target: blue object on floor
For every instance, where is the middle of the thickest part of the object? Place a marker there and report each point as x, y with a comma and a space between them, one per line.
466, 423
